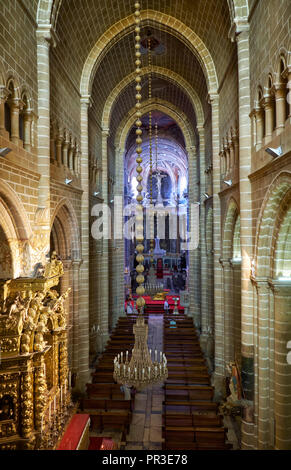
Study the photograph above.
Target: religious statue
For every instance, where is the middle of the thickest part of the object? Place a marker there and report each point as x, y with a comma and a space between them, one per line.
232, 405
6, 408
159, 177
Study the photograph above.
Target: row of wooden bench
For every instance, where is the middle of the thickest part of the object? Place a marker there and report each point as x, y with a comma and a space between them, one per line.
105, 401
190, 417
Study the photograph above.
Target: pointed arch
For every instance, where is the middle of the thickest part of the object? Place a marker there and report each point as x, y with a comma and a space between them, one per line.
268, 225
229, 227
159, 72
159, 105
16, 227
47, 12
125, 26
65, 230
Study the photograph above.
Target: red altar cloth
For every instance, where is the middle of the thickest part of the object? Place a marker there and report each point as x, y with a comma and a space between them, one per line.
152, 303
74, 433
102, 443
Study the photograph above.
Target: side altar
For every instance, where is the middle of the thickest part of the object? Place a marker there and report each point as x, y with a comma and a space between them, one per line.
35, 399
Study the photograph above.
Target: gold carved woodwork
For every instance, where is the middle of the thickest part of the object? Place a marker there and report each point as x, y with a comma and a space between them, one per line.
35, 399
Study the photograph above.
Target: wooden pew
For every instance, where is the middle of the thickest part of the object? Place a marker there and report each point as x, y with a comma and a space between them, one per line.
194, 420
105, 390
188, 392
106, 405
185, 406
195, 434
110, 420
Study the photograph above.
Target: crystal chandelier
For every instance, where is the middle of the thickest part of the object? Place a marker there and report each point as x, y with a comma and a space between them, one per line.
140, 371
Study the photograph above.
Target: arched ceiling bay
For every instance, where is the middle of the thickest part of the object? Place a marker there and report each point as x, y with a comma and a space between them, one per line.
81, 23
171, 156
161, 89
119, 62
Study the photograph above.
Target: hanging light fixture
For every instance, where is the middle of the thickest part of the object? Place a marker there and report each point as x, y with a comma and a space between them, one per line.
140, 371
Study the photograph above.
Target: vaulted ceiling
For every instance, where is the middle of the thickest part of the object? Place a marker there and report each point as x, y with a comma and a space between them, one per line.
80, 24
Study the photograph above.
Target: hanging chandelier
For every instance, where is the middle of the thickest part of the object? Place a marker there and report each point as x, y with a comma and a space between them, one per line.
140, 371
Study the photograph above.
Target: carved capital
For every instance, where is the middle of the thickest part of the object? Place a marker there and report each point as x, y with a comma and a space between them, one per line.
46, 35
4, 94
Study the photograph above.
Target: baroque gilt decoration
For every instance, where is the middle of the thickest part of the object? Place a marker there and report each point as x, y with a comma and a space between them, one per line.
35, 401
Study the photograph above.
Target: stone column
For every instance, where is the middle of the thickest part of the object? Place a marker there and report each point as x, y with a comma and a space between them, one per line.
231, 155
269, 117
104, 265
4, 93
227, 158
53, 144
45, 37
259, 127
66, 143
245, 145
27, 120
70, 156
203, 255
263, 366
280, 97
59, 144
118, 232
282, 309
236, 283
228, 312
218, 291
83, 350
194, 262
15, 106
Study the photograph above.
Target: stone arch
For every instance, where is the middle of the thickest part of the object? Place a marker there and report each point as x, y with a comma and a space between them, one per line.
157, 71
282, 57
65, 230
124, 26
16, 228
238, 9
228, 232
209, 231
13, 81
65, 238
268, 224
26, 97
159, 105
2, 74
283, 245
236, 248
47, 12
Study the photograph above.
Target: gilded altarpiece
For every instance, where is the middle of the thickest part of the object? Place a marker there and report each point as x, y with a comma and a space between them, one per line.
35, 400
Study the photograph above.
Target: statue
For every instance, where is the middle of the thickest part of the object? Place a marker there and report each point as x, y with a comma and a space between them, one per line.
6, 408
233, 403
159, 177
